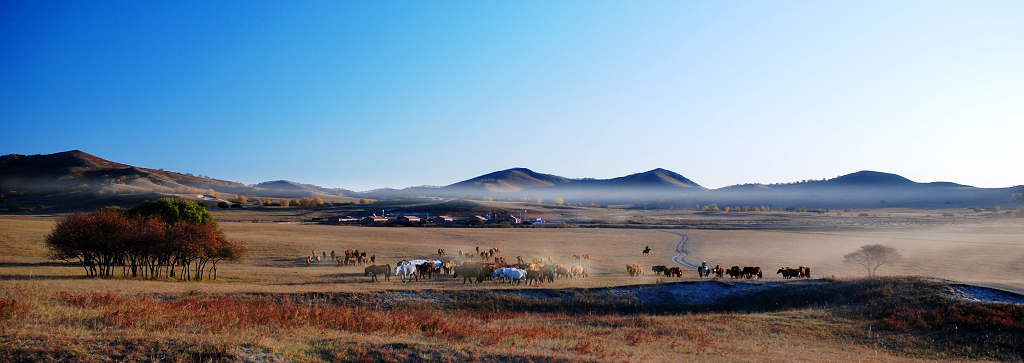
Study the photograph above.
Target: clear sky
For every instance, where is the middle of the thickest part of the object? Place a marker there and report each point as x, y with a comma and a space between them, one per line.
370, 94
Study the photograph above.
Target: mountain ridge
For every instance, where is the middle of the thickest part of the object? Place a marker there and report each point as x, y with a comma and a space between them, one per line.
78, 171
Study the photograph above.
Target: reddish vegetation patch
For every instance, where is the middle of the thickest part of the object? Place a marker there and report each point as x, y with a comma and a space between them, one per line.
981, 318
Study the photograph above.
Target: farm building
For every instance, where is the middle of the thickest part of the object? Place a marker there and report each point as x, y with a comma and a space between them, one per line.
442, 220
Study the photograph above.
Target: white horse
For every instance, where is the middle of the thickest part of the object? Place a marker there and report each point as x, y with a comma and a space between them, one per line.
515, 274
417, 262
405, 270
499, 273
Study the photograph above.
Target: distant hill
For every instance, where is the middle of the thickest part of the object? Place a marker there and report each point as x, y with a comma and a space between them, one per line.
509, 181
863, 189
520, 183
76, 179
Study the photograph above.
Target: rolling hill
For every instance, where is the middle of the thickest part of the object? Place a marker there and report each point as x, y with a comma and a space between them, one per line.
75, 179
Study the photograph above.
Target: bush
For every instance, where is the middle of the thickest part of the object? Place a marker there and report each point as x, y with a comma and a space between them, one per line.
14, 207
223, 205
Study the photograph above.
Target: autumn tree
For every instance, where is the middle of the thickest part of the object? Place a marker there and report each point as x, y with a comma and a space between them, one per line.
147, 241
558, 201
872, 257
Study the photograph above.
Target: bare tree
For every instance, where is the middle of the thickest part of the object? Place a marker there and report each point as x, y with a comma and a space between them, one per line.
872, 257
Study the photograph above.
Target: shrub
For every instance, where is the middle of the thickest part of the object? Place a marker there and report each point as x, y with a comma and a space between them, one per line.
14, 207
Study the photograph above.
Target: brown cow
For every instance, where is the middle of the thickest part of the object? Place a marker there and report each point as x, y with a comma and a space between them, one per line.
719, 271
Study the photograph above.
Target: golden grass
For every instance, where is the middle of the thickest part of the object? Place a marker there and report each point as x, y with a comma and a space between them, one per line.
97, 326
42, 321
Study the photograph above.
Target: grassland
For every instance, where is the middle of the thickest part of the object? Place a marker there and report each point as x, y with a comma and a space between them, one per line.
274, 307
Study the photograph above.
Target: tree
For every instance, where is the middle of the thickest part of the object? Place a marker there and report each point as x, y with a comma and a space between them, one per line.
558, 201
172, 211
146, 241
872, 257
13, 207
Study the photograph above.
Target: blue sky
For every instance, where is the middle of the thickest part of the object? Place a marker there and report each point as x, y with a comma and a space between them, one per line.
363, 95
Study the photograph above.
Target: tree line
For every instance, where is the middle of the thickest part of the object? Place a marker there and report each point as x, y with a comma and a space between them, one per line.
168, 237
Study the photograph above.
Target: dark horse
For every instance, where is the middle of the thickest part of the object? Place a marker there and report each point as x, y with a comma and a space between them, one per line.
703, 271
378, 270
647, 249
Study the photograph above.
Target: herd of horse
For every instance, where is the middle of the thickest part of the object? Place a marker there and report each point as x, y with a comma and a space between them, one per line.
540, 270
734, 272
410, 270
350, 258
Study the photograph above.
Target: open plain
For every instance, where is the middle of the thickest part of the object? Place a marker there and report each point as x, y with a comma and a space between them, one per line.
442, 318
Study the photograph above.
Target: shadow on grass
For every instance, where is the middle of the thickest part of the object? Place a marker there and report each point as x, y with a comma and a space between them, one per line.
39, 264
45, 277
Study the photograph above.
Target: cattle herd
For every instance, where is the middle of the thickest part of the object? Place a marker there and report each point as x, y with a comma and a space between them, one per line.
490, 267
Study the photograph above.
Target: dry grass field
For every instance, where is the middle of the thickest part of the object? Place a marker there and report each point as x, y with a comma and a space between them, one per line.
271, 306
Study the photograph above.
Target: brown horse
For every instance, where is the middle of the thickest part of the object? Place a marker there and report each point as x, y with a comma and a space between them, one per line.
378, 270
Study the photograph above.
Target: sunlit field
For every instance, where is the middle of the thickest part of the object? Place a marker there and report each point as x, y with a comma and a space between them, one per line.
274, 305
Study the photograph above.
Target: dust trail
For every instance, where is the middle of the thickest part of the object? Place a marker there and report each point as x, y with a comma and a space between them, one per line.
681, 253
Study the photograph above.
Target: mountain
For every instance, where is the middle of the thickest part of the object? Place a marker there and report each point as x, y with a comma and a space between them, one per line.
509, 181
284, 185
517, 183
867, 177
863, 189
76, 177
